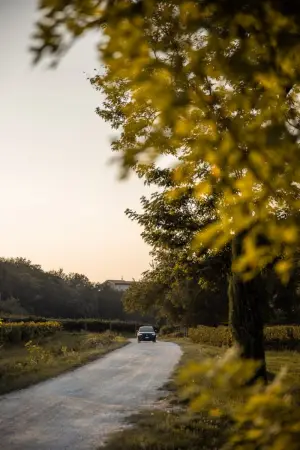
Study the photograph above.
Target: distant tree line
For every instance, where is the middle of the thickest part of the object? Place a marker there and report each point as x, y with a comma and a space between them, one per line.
27, 289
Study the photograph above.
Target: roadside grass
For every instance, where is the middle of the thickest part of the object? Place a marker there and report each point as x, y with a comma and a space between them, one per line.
190, 352
25, 364
289, 359
174, 428
159, 430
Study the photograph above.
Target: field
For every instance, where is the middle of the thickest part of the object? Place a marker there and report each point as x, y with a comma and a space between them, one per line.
172, 427
26, 363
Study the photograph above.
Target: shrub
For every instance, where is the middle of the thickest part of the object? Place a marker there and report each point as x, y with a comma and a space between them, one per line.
20, 318
98, 325
92, 325
16, 332
100, 340
281, 337
37, 354
217, 336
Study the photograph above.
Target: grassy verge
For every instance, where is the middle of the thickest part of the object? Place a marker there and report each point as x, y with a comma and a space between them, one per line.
174, 428
24, 365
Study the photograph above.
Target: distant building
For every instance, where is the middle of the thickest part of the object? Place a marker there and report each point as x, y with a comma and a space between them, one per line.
119, 285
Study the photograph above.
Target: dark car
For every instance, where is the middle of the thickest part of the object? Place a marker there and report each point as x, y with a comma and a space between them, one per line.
146, 334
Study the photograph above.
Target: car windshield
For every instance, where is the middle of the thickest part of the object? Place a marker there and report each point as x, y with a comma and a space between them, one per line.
149, 329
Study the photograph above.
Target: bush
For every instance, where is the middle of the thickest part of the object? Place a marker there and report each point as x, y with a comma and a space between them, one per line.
92, 325
98, 326
16, 332
217, 336
18, 318
281, 337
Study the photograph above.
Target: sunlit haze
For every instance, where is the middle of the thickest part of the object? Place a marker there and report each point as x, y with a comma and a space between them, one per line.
62, 204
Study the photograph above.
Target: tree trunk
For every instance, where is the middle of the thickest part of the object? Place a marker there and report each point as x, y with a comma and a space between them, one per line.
245, 316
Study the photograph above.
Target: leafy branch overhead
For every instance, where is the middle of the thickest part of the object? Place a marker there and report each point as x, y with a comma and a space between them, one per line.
207, 82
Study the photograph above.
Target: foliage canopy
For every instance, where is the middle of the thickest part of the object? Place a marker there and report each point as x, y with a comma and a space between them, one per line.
206, 81
181, 285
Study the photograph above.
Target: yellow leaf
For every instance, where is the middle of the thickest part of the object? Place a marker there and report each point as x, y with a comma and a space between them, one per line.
215, 171
254, 434
215, 412
202, 189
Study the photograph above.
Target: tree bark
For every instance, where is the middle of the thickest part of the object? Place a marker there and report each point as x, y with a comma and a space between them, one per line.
245, 316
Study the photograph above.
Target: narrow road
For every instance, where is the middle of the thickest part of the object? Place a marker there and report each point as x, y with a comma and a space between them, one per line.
78, 410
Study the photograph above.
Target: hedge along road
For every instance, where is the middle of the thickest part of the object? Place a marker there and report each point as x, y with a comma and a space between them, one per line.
78, 410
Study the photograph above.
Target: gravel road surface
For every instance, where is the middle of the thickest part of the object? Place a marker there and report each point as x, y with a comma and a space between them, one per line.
78, 410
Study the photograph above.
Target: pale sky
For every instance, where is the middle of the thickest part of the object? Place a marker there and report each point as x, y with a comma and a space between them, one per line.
62, 204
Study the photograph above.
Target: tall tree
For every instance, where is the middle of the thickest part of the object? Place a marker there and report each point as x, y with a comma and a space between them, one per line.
211, 82
179, 296
182, 284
